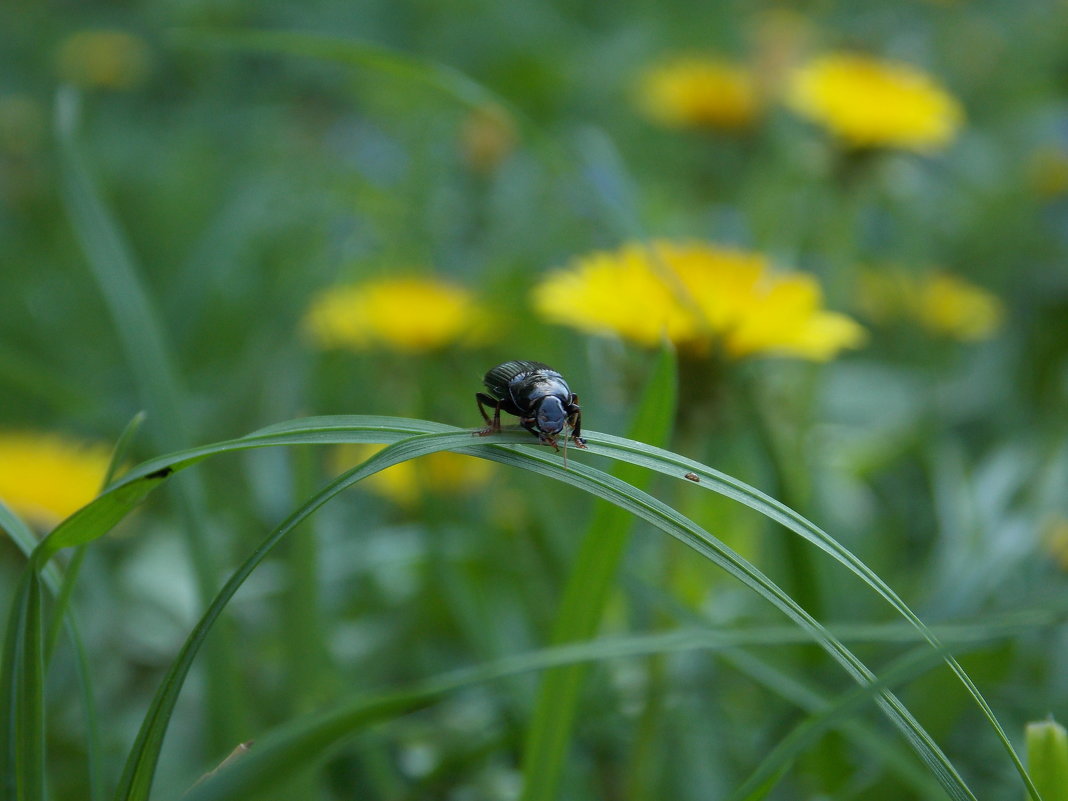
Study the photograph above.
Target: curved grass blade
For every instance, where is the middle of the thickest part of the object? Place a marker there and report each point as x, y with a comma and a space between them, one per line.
348, 428
137, 777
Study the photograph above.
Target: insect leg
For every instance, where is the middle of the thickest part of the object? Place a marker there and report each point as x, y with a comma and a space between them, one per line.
494, 425
574, 419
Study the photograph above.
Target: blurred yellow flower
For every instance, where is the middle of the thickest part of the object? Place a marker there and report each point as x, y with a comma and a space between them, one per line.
699, 92
1055, 539
942, 303
103, 59
409, 314
44, 478
487, 138
1048, 172
442, 473
871, 103
952, 306
696, 295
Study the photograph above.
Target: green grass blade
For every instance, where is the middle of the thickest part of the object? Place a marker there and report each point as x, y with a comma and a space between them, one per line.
587, 592
22, 725
98, 517
140, 768
338, 429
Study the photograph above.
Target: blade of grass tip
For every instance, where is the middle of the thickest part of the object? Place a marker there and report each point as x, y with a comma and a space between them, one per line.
70, 576
117, 275
677, 466
587, 592
22, 744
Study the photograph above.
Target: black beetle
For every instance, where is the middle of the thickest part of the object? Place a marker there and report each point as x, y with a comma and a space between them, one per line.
536, 394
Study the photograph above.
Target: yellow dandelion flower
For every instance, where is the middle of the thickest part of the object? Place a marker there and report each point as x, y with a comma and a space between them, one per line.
45, 478
699, 92
443, 473
952, 306
103, 59
871, 103
408, 314
942, 303
1055, 539
696, 294
1048, 172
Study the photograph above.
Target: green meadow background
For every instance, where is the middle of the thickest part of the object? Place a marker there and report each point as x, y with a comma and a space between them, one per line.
163, 232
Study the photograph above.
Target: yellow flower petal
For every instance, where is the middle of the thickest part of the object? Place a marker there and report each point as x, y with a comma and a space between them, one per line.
871, 103
44, 478
943, 304
699, 92
406, 314
696, 295
951, 305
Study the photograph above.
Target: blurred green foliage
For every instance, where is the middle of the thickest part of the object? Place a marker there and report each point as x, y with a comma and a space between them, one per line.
247, 175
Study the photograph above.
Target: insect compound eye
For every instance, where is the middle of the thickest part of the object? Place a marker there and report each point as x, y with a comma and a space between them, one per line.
551, 415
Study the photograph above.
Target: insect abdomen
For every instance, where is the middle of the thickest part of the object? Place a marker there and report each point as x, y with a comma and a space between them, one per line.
498, 379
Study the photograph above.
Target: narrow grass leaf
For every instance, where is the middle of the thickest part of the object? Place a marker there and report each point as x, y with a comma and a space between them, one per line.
22, 736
